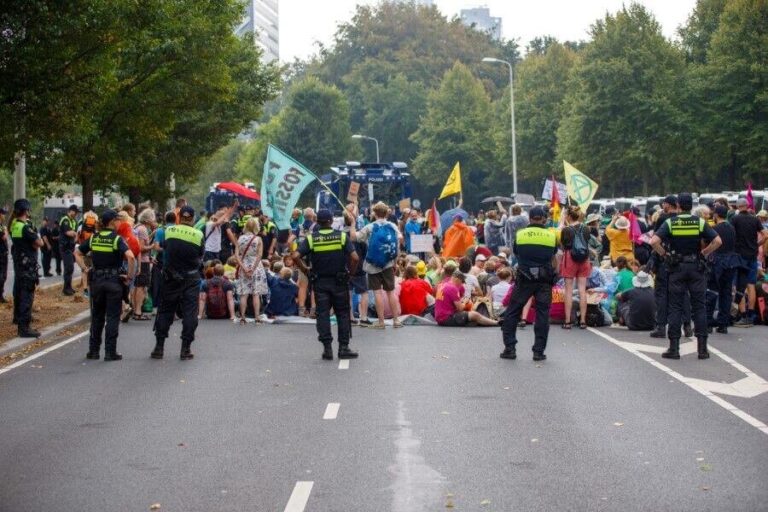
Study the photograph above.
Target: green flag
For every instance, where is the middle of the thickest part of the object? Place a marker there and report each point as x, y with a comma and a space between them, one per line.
283, 181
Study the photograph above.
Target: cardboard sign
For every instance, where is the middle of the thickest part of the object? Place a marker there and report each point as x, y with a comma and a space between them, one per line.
562, 190
404, 203
422, 243
354, 188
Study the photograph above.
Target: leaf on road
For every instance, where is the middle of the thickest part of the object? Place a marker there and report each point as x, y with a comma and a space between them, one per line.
534, 440
706, 467
539, 366
183, 381
507, 388
154, 506
181, 445
485, 502
618, 424
269, 371
699, 459
705, 487
449, 504
444, 413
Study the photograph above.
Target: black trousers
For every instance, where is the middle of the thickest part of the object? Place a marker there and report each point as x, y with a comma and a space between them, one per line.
687, 279
106, 305
524, 290
23, 297
68, 259
57, 257
661, 293
157, 284
331, 294
47, 258
3, 270
720, 295
178, 293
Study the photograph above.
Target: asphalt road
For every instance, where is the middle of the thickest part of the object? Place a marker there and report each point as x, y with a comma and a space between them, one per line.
428, 419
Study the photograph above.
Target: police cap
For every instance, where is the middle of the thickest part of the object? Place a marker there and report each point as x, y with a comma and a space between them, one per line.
108, 216
21, 206
324, 216
537, 212
685, 200
74, 208
187, 211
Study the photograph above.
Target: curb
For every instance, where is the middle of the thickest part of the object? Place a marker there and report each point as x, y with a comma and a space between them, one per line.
16, 344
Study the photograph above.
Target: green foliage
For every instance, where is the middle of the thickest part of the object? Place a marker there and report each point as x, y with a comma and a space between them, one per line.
457, 128
696, 35
621, 119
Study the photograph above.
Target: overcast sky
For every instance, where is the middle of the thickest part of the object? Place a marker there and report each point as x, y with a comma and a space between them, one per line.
302, 22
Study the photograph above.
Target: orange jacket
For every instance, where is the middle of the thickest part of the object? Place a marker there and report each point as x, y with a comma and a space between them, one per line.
457, 239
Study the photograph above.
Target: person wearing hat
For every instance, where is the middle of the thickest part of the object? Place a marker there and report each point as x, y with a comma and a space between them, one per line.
685, 263
3, 254
750, 235
535, 248
26, 243
184, 249
333, 259
617, 232
68, 236
595, 240
107, 250
637, 306
763, 216
722, 273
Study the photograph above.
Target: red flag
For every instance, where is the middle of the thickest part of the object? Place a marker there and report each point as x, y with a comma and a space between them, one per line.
433, 219
750, 197
555, 202
635, 233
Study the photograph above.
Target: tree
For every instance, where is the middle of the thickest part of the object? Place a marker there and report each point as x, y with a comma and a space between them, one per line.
457, 127
696, 34
621, 119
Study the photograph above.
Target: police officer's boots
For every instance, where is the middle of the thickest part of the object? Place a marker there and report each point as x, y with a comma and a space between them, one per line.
186, 353
346, 353
328, 352
110, 352
702, 346
93, 351
157, 353
674, 350
27, 332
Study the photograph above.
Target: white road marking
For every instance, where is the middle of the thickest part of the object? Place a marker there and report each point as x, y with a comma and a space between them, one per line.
299, 497
42, 352
331, 411
743, 388
344, 364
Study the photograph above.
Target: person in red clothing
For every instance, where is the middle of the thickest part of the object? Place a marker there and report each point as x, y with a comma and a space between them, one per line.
125, 230
415, 294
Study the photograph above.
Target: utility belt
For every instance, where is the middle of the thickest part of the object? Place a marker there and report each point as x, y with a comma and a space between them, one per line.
26, 267
171, 274
543, 274
341, 278
675, 261
105, 273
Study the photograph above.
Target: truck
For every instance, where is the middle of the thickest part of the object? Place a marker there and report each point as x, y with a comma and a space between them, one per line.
219, 198
387, 182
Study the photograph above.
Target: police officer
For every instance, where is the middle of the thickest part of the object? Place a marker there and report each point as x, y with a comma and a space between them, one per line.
3, 254
26, 243
68, 235
184, 249
333, 259
685, 262
107, 250
535, 248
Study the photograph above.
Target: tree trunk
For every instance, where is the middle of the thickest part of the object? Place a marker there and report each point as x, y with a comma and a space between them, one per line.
87, 184
134, 196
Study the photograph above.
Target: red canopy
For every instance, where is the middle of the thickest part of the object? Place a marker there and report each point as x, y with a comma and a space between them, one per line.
240, 190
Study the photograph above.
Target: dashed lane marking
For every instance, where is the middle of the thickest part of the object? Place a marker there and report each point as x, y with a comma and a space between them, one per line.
42, 352
344, 364
331, 411
748, 387
299, 497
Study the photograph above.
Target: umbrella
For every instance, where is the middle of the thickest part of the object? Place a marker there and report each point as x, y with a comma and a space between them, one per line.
498, 199
240, 190
446, 218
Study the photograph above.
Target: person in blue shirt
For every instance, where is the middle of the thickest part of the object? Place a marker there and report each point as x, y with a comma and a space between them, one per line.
284, 293
412, 227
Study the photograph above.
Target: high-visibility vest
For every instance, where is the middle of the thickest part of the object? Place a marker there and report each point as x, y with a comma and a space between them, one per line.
327, 240
536, 236
104, 241
184, 233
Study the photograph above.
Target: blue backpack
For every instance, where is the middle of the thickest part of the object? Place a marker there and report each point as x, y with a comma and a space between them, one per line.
382, 245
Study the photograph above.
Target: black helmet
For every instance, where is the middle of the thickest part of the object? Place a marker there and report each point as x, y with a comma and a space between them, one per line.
21, 206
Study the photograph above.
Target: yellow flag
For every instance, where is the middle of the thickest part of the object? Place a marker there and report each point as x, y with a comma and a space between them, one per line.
580, 187
453, 185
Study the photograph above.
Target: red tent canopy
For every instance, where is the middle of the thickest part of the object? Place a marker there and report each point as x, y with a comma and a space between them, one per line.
240, 190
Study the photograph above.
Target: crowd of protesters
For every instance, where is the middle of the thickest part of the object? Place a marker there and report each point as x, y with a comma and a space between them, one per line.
607, 268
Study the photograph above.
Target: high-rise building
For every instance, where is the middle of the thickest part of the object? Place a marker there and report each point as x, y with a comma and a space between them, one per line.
480, 19
261, 19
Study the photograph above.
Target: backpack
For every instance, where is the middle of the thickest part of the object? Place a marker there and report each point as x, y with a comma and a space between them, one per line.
382, 245
216, 299
595, 316
87, 229
580, 249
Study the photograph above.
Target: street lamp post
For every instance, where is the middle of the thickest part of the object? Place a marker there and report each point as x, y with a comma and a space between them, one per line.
358, 136
512, 108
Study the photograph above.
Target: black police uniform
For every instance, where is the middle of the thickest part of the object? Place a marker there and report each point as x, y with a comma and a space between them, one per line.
107, 250
661, 290
721, 277
67, 250
3, 259
184, 249
47, 254
25, 266
328, 251
534, 248
687, 274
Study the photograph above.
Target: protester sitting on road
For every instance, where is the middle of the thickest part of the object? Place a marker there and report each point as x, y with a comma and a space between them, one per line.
471, 284
479, 265
434, 270
217, 300
617, 232
500, 290
415, 294
283, 295
637, 306
451, 309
